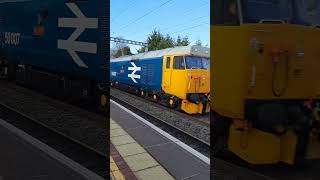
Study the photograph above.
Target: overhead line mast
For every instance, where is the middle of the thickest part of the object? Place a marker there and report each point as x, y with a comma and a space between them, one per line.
126, 41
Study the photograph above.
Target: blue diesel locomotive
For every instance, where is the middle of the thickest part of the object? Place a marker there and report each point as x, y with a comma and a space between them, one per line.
58, 46
177, 76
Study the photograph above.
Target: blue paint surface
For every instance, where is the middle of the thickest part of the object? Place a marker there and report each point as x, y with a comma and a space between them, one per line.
150, 74
43, 51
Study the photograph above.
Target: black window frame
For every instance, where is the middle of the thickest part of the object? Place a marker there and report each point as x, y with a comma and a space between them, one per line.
168, 64
219, 13
179, 66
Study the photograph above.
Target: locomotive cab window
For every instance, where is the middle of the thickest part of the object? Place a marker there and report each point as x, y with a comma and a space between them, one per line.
168, 62
178, 62
193, 62
225, 12
302, 12
266, 11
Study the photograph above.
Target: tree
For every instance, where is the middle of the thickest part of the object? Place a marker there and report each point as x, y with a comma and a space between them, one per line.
141, 50
168, 41
157, 41
185, 41
182, 42
122, 52
120, 49
198, 42
179, 41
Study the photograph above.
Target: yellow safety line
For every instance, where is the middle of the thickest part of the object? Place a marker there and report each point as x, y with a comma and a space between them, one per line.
115, 173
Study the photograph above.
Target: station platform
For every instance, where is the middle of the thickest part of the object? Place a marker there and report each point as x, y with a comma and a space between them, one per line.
141, 151
134, 161
24, 157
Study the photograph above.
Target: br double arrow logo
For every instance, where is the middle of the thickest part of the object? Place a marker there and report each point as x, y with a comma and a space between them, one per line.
133, 75
81, 23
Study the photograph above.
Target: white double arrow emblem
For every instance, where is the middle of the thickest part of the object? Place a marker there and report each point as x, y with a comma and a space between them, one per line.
81, 23
134, 69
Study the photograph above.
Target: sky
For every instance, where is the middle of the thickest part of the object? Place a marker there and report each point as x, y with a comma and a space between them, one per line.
136, 19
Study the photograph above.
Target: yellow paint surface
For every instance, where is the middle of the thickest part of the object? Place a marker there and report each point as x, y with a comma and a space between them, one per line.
115, 173
239, 71
180, 82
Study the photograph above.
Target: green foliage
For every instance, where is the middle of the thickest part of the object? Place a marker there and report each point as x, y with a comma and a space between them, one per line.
157, 41
182, 42
198, 42
179, 41
122, 52
119, 49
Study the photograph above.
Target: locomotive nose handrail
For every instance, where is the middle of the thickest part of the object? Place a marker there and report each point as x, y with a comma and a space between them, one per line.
274, 21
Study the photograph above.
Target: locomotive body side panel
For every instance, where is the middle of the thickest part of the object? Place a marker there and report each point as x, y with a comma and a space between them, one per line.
142, 73
60, 37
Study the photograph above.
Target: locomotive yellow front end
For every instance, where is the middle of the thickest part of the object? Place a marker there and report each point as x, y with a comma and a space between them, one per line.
264, 82
196, 91
186, 77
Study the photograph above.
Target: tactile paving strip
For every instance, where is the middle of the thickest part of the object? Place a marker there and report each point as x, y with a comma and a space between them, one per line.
119, 167
115, 173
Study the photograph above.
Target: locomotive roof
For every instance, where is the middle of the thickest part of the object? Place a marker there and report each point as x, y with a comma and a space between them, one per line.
194, 50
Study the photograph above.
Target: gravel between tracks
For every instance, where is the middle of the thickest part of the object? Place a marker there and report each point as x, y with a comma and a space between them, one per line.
195, 126
84, 126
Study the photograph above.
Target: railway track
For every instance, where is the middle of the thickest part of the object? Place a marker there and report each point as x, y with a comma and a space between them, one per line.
194, 142
194, 126
200, 119
70, 147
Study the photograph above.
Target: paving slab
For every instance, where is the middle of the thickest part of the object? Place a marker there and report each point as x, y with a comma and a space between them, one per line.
153, 174
132, 160
122, 140
140, 161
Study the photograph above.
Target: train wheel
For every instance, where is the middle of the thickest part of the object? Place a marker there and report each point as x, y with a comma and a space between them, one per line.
142, 93
103, 100
173, 102
155, 98
104, 104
